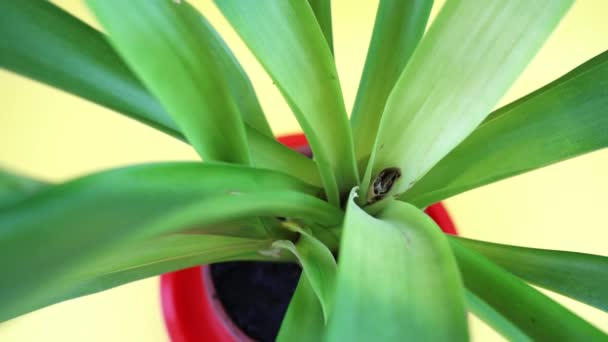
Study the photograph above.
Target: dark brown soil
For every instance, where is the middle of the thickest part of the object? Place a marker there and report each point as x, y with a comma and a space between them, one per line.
256, 294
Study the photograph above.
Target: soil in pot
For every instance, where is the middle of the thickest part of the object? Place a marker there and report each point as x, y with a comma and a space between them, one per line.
255, 295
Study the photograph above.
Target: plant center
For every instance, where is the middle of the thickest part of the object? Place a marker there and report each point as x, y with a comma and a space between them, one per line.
383, 183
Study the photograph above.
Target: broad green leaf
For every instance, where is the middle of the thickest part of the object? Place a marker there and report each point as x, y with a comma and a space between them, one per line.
322, 11
185, 73
318, 265
564, 119
36, 34
288, 42
303, 321
397, 279
49, 236
14, 188
142, 259
238, 82
468, 59
538, 316
580, 276
494, 319
42, 42
398, 28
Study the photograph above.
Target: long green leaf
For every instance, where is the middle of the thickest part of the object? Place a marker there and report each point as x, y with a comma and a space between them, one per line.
41, 41
535, 314
50, 235
238, 82
580, 276
303, 321
288, 42
398, 28
37, 34
322, 11
14, 188
185, 73
318, 265
493, 318
564, 119
142, 259
466, 62
397, 280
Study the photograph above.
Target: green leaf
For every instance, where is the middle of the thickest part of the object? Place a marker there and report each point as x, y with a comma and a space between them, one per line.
36, 33
580, 276
397, 279
561, 120
41, 41
238, 82
398, 28
322, 11
303, 321
14, 188
146, 258
462, 67
269, 154
185, 74
49, 236
493, 318
541, 318
318, 265
287, 41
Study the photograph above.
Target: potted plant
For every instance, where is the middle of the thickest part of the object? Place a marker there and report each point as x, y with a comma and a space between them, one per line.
374, 265
240, 300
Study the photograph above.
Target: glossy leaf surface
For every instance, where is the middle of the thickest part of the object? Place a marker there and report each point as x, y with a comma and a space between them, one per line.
59, 229
287, 40
577, 275
398, 28
141, 259
397, 279
561, 120
318, 266
494, 319
37, 33
322, 11
538, 316
41, 41
462, 67
186, 74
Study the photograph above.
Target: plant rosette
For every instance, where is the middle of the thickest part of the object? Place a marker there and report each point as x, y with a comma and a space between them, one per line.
374, 265
192, 309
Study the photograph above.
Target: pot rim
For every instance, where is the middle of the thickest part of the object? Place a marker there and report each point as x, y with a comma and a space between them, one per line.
191, 308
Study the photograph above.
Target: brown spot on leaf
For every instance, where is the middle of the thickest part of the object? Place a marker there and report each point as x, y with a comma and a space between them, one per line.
383, 183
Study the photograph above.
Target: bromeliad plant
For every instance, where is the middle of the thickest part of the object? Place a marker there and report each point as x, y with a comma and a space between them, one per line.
421, 130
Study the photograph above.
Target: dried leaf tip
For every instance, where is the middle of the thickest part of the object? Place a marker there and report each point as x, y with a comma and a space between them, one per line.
383, 183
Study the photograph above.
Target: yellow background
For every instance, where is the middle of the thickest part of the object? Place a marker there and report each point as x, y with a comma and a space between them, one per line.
49, 134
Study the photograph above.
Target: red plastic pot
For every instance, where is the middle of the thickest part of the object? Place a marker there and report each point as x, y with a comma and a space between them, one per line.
190, 306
